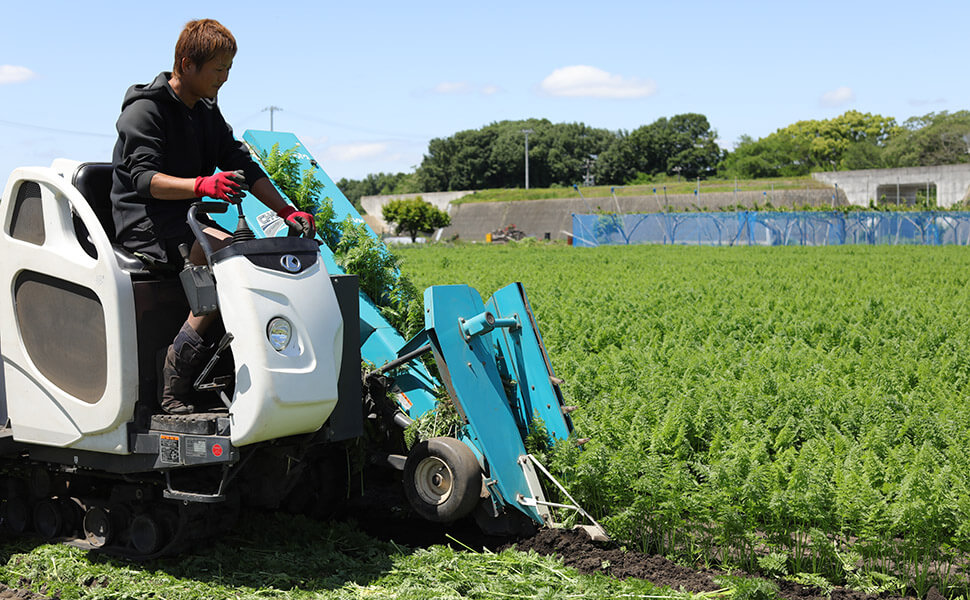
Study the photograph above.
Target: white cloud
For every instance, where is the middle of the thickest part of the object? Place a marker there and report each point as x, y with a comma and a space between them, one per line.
349, 152
838, 97
489, 90
589, 82
452, 87
15, 74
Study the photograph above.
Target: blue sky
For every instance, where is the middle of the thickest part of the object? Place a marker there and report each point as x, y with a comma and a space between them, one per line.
366, 85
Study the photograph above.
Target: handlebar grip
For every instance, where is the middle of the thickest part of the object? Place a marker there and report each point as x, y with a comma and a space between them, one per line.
211, 207
204, 207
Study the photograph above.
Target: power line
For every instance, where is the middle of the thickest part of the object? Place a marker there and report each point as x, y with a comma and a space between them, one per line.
409, 136
55, 129
238, 122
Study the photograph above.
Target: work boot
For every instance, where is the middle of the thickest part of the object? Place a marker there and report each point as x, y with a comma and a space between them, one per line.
182, 362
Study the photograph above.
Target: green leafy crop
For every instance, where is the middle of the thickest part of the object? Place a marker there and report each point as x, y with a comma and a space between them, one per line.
782, 410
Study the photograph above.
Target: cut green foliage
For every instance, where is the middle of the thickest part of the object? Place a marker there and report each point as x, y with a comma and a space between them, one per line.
378, 269
294, 558
355, 249
283, 168
302, 189
443, 421
748, 588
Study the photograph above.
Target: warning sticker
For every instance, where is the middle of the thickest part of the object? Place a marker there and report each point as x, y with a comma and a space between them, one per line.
195, 448
168, 449
404, 401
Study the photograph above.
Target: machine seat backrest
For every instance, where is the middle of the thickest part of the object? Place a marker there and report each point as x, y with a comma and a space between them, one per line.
93, 180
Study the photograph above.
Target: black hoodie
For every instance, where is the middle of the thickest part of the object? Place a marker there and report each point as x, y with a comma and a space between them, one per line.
158, 133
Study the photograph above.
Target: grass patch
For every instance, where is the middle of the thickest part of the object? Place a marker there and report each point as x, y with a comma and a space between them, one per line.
673, 187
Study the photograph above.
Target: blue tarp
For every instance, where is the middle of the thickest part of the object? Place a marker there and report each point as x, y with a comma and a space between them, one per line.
755, 228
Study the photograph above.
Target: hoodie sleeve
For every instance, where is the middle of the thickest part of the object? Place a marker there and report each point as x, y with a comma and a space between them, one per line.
234, 155
140, 133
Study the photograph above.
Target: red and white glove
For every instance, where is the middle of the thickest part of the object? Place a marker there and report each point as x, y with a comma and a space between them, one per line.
227, 186
299, 220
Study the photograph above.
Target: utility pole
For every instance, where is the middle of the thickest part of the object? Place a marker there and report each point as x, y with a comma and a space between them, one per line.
526, 132
271, 110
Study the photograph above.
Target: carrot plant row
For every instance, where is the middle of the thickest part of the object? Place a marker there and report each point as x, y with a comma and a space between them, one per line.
800, 412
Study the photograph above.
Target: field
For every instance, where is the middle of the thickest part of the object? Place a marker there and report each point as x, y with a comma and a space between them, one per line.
799, 413
796, 411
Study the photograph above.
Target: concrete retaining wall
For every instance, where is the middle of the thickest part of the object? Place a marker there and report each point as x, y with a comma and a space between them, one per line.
536, 218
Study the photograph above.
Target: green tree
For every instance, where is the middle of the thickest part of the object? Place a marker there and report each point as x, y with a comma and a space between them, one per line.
690, 146
379, 183
681, 145
494, 156
807, 146
934, 139
415, 215
864, 155
617, 164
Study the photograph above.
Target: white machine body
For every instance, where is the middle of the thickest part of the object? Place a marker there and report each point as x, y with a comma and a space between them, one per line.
56, 293
69, 337
289, 391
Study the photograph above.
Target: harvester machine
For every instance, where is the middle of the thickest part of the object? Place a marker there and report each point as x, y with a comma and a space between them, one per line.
87, 456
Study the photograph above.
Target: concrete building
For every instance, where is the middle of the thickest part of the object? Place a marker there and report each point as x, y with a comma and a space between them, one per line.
947, 184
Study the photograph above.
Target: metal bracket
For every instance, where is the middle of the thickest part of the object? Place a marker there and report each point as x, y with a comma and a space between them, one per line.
218, 496
529, 463
485, 322
219, 383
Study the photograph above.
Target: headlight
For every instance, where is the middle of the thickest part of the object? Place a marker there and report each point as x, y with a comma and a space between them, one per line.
278, 332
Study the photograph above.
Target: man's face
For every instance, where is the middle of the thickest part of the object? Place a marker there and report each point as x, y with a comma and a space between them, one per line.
204, 81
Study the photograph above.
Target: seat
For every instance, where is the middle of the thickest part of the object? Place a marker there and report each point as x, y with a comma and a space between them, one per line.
93, 180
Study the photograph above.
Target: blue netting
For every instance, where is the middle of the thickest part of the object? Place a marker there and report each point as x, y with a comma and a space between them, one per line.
774, 228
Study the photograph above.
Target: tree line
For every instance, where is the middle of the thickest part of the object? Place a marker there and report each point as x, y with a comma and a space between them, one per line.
564, 154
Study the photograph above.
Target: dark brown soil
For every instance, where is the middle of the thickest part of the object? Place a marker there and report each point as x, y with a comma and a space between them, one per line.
7, 593
388, 518
578, 551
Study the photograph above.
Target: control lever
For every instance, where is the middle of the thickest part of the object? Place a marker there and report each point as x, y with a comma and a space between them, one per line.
242, 232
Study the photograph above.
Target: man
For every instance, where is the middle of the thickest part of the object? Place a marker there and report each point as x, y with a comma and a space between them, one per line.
171, 139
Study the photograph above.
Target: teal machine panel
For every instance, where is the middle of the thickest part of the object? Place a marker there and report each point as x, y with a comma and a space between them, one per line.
490, 355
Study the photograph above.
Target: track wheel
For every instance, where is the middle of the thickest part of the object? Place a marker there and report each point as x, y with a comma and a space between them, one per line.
14, 506
442, 479
53, 518
99, 527
146, 535
16, 514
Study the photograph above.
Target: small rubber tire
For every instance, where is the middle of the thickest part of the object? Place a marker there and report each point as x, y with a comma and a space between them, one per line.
442, 479
146, 535
49, 519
